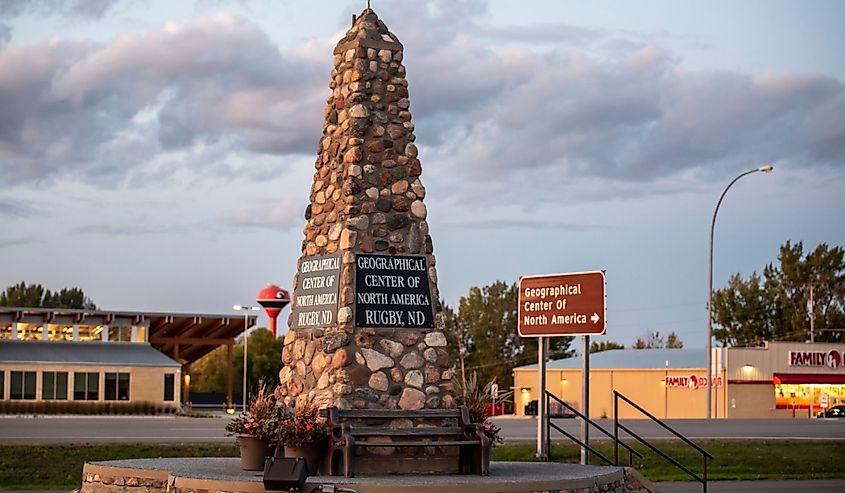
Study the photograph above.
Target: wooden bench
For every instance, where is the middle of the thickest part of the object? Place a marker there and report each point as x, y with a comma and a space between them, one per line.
433, 428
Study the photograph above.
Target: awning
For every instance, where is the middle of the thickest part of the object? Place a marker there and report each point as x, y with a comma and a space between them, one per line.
802, 378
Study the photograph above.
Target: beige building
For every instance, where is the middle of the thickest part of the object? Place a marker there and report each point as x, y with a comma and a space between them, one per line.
785, 379
774, 381
88, 372
61, 355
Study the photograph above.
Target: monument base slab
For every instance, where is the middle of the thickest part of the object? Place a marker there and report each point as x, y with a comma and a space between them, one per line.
223, 475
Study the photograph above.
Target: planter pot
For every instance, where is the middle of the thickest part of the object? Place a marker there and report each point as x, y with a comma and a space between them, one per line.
312, 452
254, 451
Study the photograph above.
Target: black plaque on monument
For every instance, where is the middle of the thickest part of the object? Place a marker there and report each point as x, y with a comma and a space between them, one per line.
392, 291
315, 297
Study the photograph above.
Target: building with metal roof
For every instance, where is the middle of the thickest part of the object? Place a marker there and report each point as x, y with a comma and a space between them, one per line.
777, 380
101, 356
634, 358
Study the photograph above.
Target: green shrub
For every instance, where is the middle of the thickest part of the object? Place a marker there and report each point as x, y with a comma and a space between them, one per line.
84, 408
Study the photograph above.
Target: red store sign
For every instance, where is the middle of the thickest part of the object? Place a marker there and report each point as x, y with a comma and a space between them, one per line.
831, 359
690, 382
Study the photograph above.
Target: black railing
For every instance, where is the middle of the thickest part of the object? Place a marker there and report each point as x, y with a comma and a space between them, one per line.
617, 426
549, 425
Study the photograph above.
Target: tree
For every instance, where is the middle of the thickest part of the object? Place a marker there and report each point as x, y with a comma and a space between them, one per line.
652, 340
208, 374
673, 341
777, 306
597, 347
36, 296
456, 337
487, 320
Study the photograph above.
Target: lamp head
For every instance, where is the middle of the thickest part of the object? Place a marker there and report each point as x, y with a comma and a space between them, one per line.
237, 307
767, 168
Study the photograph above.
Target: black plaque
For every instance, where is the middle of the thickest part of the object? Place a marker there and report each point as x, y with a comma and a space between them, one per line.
315, 298
392, 291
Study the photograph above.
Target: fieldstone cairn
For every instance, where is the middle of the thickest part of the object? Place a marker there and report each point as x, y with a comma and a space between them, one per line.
365, 330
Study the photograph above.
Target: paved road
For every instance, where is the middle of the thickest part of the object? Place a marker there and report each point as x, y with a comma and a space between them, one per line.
101, 429
813, 486
525, 429
170, 429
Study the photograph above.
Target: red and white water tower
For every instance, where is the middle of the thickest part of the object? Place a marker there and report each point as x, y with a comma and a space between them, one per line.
273, 299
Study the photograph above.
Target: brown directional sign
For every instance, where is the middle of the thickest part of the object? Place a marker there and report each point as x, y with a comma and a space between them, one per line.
562, 305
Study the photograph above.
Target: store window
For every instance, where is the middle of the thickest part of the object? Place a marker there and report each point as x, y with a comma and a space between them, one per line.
54, 385
59, 332
86, 386
117, 387
2, 385
22, 385
7, 333
120, 334
30, 332
169, 381
803, 396
89, 333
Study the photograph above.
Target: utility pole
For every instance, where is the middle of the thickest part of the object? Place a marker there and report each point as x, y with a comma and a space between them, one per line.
812, 317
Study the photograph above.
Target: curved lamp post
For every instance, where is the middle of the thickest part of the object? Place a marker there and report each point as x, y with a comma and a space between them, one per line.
246, 310
765, 169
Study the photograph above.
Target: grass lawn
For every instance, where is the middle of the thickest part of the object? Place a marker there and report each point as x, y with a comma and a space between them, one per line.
755, 459
60, 466
54, 467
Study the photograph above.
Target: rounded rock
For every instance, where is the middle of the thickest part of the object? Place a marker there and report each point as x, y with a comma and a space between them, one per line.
414, 378
378, 381
412, 399
412, 360
418, 209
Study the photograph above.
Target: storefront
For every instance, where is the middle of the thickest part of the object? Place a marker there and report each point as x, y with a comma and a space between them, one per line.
668, 383
778, 380
785, 379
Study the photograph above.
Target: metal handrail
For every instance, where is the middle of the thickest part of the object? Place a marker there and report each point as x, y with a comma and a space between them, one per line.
549, 424
617, 426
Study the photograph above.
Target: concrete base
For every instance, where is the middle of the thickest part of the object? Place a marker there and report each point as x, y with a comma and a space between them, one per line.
203, 475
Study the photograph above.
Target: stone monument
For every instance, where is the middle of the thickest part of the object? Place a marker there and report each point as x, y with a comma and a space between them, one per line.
365, 330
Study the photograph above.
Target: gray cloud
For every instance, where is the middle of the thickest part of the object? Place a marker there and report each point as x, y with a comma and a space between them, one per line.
272, 214
15, 209
129, 228
589, 104
86, 9
73, 108
73, 9
638, 116
5, 243
522, 223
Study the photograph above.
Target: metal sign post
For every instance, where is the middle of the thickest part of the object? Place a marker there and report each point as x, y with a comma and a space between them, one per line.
561, 305
542, 453
585, 392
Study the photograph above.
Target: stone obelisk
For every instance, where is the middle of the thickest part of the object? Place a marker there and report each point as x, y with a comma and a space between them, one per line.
364, 331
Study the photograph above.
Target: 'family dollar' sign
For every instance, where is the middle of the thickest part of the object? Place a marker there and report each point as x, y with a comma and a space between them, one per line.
315, 296
392, 291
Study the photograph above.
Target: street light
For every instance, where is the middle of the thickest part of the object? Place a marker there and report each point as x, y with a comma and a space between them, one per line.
246, 310
764, 169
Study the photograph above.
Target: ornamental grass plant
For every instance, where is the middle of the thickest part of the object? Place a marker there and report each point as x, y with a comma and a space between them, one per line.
261, 418
478, 399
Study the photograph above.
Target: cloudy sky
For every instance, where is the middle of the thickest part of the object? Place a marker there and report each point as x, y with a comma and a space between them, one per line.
159, 154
